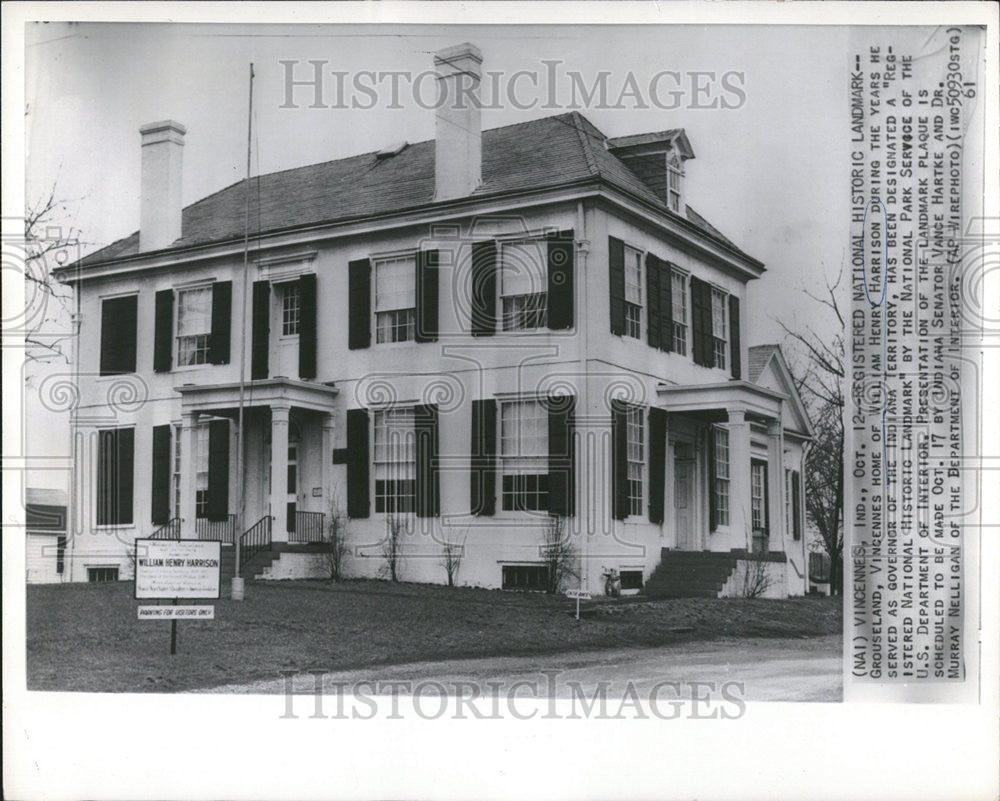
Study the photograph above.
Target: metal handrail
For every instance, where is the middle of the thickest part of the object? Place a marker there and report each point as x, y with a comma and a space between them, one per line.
220, 530
255, 539
308, 527
171, 530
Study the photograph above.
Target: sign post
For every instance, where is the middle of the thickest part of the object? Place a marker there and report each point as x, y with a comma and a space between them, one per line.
578, 594
173, 569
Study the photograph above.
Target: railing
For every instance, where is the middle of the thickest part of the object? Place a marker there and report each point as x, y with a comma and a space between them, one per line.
171, 530
220, 530
306, 527
255, 539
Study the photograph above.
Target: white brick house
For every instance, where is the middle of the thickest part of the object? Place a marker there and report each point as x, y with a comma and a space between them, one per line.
469, 334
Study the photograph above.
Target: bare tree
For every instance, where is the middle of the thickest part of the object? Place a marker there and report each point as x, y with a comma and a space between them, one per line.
820, 375
392, 547
336, 540
559, 554
754, 578
452, 557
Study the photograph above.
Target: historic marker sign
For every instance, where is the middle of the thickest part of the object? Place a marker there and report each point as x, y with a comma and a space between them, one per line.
177, 569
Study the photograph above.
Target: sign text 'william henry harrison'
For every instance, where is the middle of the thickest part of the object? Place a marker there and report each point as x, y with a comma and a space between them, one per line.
177, 569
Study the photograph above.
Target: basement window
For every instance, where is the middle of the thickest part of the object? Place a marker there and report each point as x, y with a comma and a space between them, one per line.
102, 575
631, 579
525, 577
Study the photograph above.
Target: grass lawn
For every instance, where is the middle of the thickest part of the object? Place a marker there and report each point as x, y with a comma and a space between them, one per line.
87, 638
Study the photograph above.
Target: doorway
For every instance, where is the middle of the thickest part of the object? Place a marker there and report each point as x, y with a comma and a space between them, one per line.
684, 497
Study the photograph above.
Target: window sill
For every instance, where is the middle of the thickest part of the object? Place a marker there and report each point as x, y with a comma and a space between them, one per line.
188, 368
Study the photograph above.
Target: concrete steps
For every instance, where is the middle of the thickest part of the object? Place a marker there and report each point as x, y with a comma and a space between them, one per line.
690, 574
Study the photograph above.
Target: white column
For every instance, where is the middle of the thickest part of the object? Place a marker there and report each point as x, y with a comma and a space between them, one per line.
326, 462
189, 474
776, 486
740, 521
279, 473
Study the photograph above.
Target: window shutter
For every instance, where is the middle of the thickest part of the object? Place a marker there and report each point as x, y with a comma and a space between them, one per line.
163, 331
796, 505
562, 455
307, 326
260, 339
428, 489
217, 507
357, 463
657, 462
619, 458
427, 296
359, 302
222, 318
125, 448
484, 289
118, 333
701, 308
483, 479
560, 280
653, 310
616, 285
666, 307
767, 499
106, 477
734, 335
713, 508
162, 459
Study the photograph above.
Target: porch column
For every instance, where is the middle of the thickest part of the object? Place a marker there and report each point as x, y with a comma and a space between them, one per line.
279, 473
189, 474
326, 463
740, 521
776, 486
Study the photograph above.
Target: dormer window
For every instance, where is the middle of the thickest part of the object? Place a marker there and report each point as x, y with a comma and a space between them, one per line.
674, 176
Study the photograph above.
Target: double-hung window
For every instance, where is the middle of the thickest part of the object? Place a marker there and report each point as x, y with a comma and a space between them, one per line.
719, 338
395, 298
635, 457
176, 472
633, 292
758, 503
523, 285
674, 175
722, 476
395, 461
291, 304
678, 295
524, 450
201, 472
194, 325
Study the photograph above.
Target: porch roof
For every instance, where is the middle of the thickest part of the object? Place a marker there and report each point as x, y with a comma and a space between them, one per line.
714, 402
264, 392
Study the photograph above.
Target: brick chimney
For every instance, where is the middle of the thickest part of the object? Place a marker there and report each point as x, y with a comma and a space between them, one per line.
458, 130
162, 167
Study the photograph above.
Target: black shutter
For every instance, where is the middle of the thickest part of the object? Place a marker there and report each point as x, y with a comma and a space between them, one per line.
560, 280
666, 307
713, 508
260, 340
427, 296
767, 500
483, 478
796, 505
619, 460
484, 289
734, 335
106, 477
653, 311
217, 507
307, 326
359, 304
163, 331
701, 345
616, 285
222, 322
162, 462
562, 455
657, 462
125, 447
357, 463
118, 334
428, 489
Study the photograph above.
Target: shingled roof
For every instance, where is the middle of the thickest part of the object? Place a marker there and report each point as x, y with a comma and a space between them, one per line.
542, 153
760, 355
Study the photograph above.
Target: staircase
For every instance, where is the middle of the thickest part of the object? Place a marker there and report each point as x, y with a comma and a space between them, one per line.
251, 568
690, 574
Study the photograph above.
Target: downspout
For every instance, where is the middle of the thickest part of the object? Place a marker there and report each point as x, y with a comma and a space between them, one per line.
582, 513
73, 515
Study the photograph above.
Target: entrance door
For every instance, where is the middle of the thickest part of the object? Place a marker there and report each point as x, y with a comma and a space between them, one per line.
684, 503
293, 483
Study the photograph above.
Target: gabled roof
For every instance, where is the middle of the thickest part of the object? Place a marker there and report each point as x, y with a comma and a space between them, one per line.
760, 356
539, 154
45, 510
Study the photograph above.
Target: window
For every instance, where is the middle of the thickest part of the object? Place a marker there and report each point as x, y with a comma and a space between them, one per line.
631, 579
719, 327
678, 294
395, 461
102, 575
523, 285
115, 455
201, 487
525, 577
758, 490
524, 448
291, 304
395, 299
194, 324
176, 475
635, 458
633, 292
722, 476
674, 175
789, 520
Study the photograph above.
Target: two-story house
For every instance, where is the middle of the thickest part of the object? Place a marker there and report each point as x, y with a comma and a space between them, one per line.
465, 337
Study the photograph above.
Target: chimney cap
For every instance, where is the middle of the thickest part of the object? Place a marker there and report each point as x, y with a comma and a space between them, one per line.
450, 55
151, 128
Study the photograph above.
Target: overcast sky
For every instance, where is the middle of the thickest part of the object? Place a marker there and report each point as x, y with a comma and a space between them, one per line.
769, 174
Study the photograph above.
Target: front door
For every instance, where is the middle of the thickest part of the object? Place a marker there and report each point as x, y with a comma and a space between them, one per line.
293, 483
684, 503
